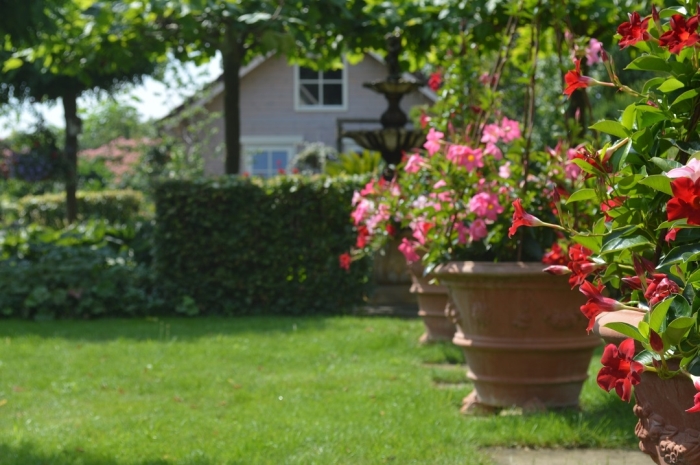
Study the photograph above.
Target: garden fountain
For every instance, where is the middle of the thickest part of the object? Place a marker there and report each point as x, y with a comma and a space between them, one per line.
393, 138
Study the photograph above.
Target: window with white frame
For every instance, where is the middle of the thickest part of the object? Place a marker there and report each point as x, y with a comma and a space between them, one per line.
320, 90
269, 156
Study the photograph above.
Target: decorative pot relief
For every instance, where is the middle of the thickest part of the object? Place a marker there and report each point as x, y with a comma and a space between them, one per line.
451, 313
674, 447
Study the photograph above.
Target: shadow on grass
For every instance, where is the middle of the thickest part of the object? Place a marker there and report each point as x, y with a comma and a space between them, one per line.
27, 454
164, 329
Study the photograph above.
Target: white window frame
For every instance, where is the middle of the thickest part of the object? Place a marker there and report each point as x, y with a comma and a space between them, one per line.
253, 144
299, 107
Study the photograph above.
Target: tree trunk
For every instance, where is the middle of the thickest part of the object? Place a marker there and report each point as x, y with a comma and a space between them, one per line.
70, 108
232, 58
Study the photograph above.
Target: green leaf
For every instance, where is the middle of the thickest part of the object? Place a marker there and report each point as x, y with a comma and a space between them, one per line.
627, 330
665, 165
658, 314
645, 357
689, 94
628, 116
658, 182
670, 85
649, 63
611, 127
590, 242
624, 238
643, 328
683, 253
581, 194
11, 63
677, 329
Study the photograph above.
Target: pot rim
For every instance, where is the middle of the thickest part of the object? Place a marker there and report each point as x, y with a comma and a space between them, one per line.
490, 268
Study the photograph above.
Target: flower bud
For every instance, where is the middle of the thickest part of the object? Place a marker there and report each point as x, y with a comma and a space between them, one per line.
655, 341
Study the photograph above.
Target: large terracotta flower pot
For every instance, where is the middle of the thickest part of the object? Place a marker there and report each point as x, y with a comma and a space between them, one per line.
666, 432
432, 303
522, 332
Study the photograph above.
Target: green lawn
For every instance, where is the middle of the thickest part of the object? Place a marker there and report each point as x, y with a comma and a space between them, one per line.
259, 390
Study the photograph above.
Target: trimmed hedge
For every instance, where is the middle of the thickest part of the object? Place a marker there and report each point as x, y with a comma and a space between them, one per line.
239, 246
117, 206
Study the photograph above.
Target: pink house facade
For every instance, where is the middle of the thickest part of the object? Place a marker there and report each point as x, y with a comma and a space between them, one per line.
283, 106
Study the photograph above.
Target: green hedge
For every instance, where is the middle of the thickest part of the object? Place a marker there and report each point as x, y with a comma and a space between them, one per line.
118, 206
236, 246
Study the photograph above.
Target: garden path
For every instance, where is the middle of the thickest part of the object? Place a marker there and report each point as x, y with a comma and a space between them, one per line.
567, 457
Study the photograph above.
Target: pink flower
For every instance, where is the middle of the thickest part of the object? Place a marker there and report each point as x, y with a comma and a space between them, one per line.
485, 205
696, 400
382, 215
463, 232
492, 133
478, 230
493, 150
572, 170
420, 230
510, 130
368, 189
356, 198
504, 171
485, 79
466, 156
361, 211
691, 170
559, 270
593, 52
433, 143
408, 250
414, 163
424, 120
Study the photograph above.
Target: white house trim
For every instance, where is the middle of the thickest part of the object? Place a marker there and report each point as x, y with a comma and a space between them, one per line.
298, 107
271, 140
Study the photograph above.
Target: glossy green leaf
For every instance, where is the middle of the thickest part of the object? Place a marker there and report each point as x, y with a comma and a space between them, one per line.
649, 63
626, 329
581, 194
670, 85
683, 253
677, 329
658, 314
658, 182
611, 127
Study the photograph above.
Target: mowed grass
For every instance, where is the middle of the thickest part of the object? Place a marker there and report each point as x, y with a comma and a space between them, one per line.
257, 391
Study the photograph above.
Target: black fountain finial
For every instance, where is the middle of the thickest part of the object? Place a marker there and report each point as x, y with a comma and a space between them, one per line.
393, 47
393, 139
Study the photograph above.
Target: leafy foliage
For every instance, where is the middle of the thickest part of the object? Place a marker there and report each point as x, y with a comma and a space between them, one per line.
87, 270
240, 246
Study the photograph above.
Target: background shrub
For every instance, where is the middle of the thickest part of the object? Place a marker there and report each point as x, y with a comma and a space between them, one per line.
87, 270
240, 246
116, 206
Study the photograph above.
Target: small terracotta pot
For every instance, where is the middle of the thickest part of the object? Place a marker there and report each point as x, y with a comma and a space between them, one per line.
522, 332
666, 432
432, 303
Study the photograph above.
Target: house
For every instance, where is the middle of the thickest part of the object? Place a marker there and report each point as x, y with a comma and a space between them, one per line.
284, 106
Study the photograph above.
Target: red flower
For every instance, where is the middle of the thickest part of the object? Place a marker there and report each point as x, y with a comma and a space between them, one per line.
435, 81
633, 31
620, 371
580, 266
344, 260
660, 288
592, 159
685, 202
555, 256
391, 230
522, 218
558, 270
597, 303
362, 236
696, 400
682, 34
574, 80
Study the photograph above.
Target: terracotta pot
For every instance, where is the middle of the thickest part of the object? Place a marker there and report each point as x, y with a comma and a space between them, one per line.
432, 303
666, 432
522, 332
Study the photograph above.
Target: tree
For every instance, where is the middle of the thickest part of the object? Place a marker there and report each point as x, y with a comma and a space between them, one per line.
90, 46
110, 119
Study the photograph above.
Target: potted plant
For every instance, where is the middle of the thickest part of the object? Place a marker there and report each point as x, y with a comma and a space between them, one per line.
637, 264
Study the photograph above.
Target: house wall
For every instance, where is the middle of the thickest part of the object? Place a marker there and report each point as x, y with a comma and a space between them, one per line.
267, 106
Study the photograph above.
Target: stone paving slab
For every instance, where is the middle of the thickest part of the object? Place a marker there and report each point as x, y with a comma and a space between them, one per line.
567, 457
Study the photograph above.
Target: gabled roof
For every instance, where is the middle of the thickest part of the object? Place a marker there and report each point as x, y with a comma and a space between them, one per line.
216, 87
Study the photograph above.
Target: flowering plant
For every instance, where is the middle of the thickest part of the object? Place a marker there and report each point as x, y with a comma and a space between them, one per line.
453, 199
641, 254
